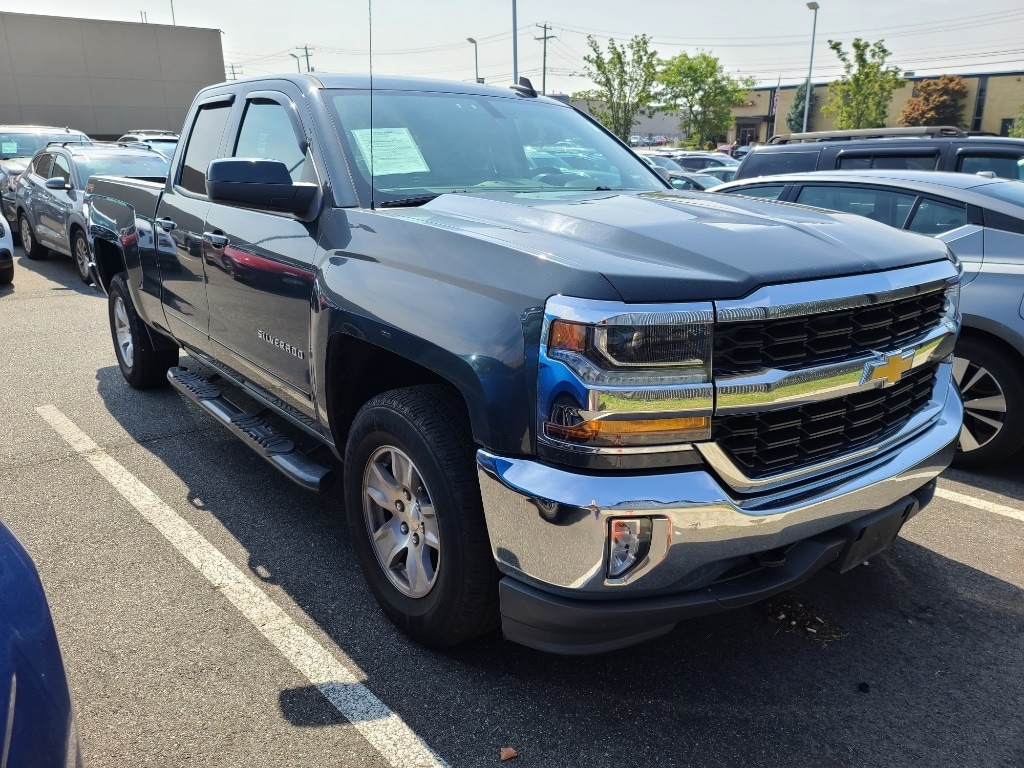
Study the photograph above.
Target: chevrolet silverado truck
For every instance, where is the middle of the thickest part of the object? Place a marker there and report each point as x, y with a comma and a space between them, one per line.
567, 400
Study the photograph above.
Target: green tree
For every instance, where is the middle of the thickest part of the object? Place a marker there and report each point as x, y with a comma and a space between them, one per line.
860, 98
795, 116
1017, 129
700, 91
936, 102
624, 78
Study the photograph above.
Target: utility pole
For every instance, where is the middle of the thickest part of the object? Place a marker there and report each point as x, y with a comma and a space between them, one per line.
173, 22
306, 49
234, 75
544, 70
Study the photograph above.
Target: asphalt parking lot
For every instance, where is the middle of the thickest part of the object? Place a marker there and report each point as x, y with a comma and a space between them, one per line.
212, 614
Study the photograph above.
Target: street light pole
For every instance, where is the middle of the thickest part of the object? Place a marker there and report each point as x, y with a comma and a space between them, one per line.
298, 65
476, 59
807, 88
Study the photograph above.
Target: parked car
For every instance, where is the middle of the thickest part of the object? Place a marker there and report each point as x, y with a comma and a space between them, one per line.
698, 161
6, 255
982, 220
17, 144
51, 191
585, 413
37, 726
163, 141
721, 172
678, 177
927, 148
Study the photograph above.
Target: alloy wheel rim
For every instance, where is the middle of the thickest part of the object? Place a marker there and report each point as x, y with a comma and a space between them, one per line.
984, 404
26, 234
401, 522
82, 256
123, 332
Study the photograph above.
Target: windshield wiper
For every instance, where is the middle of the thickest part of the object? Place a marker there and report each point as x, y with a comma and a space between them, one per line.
407, 201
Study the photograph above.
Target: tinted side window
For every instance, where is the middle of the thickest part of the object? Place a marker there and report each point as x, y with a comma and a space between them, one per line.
267, 133
1004, 166
933, 217
889, 162
764, 192
770, 163
41, 165
881, 205
203, 146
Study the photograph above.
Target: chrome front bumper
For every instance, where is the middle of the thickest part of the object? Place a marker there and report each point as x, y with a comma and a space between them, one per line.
549, 526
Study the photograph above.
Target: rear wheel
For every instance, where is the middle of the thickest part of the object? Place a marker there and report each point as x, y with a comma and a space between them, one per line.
80, 252
413, 504
33, 249
142, 366
992, 387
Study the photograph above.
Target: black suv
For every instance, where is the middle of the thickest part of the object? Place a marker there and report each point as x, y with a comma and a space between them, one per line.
935, 148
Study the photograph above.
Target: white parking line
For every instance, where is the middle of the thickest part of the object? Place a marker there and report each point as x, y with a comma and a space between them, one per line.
339, 684
988, 506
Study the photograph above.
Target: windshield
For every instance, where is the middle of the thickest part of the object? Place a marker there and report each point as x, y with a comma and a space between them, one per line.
16, 144
153, 165
424, 144
166, 146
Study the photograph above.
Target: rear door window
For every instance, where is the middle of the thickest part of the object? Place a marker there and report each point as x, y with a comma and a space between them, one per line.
933, 217
771, 163
203, 146
889, 161
764, 191
882, 205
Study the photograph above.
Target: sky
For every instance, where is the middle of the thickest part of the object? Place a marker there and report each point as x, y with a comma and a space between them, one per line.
768, 39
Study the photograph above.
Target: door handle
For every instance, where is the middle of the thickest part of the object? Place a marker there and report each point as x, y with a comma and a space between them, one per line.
215, 239
166, 224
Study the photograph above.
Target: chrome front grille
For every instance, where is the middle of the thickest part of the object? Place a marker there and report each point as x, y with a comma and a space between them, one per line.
810, 340
778, 441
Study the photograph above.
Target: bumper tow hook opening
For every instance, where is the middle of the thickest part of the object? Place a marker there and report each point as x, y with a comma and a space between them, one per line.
773, 558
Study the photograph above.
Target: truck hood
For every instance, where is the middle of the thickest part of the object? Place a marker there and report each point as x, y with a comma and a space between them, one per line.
679, 246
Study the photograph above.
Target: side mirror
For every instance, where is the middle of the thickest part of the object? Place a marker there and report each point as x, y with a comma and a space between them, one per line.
258, 183
57, 183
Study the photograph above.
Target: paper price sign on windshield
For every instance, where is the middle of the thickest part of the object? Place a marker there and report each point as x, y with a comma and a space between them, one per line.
393, 151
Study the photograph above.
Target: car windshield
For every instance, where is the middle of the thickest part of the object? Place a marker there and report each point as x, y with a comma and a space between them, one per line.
166, 146
424, 144
17, 144
148, 165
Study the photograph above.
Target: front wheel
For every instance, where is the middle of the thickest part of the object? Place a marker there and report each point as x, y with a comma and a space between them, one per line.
142, 366
413, 505
80, 250
992, 386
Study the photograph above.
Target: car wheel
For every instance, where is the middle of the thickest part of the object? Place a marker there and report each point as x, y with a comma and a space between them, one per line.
993, 392
80, 250
33, 249
412, 500
141, 365
7, 275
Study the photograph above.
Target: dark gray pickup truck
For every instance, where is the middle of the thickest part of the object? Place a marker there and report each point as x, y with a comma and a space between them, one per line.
562, 397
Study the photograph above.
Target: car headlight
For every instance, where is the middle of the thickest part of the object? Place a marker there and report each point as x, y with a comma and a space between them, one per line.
624, 380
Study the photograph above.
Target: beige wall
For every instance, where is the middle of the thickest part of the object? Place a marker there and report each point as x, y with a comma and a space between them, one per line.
103, 77
1004, 97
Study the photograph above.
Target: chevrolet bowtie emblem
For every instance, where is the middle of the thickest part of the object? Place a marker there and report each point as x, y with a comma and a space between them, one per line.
889, 369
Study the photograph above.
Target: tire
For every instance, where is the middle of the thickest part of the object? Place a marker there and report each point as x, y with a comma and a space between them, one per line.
141, 365
33, 249
992, 385
451, 596
80, 253
7, 275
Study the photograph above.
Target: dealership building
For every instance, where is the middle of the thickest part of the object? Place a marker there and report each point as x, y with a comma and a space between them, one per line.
103, 77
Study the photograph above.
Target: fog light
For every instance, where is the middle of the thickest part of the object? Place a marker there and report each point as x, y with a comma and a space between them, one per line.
629, 541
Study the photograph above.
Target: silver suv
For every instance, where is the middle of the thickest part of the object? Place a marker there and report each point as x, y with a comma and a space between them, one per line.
50, 193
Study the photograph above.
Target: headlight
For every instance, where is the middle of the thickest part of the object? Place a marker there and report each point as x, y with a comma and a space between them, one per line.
951, 313
624, 382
